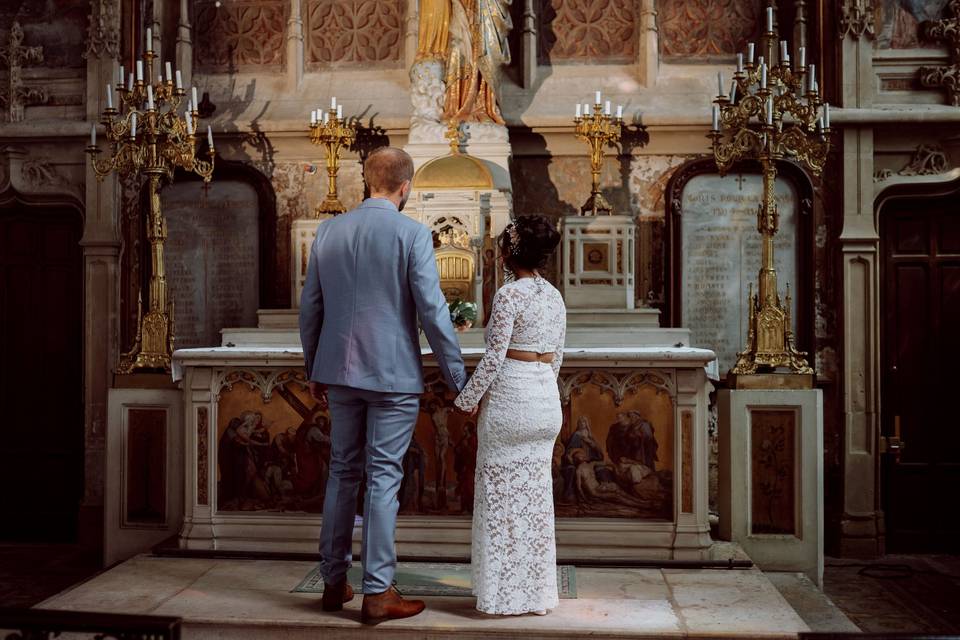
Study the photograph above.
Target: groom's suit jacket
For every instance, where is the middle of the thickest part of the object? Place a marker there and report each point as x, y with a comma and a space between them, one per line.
372, 275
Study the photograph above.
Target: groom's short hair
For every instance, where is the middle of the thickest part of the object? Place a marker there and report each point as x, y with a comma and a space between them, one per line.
386, 169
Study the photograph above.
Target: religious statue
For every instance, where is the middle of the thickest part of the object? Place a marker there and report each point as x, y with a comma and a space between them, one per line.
470, 38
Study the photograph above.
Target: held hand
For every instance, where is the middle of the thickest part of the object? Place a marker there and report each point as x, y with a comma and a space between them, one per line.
469, 412
318, 391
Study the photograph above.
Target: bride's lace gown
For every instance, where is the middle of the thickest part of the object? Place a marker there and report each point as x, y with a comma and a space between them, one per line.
514, 549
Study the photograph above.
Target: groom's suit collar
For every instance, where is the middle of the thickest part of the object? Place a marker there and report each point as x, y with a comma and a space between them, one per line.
378, 203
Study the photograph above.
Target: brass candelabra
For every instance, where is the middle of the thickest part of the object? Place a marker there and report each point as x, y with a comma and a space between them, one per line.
330, 130
598, 128
774, 111
149, 136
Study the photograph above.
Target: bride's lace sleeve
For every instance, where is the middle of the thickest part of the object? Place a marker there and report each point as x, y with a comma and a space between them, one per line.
558, 352
499, 331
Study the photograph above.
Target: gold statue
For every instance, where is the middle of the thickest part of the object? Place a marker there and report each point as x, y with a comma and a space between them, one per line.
478, 49
434, 35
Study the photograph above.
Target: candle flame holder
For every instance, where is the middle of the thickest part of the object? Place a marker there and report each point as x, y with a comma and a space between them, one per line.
597, 129
148, 136
772, 113
333, 133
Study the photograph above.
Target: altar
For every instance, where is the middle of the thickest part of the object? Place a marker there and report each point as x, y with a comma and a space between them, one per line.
629, 467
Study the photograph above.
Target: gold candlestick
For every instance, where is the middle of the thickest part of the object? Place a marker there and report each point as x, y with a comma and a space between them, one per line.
598, 129
333, 132
772, 112
148, 136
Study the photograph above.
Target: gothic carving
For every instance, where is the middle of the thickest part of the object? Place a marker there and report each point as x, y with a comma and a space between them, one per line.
587, 30
928, 159
103, 31
263, 381
239, 34
37, 175
618, 385
948, 30
353, 31
856, 19
203, 463
16, 95
706, 28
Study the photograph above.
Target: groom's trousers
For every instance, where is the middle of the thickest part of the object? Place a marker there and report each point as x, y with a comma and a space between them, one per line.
370, 431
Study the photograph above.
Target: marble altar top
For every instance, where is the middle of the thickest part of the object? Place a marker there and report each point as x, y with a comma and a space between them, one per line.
683, 357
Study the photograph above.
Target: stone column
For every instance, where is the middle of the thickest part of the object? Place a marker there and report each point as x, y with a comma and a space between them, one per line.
184, 53
862, 520
648, 59
411, 32
529, 39
295, 61
101, 250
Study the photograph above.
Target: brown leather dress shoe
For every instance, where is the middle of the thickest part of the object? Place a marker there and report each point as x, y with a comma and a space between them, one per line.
335, 594
388, 605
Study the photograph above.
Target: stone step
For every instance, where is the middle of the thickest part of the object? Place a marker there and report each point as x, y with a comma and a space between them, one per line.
252, 599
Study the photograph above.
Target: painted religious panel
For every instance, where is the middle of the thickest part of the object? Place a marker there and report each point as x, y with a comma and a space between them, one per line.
613, 458
212, 258
715, 253
897, 22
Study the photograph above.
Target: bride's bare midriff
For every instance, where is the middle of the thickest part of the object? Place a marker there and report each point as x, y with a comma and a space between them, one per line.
529, 356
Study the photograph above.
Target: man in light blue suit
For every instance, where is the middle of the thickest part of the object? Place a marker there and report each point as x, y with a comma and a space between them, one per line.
372, 275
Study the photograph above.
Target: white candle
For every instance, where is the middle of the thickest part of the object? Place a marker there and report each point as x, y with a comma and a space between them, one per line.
803, 57
333, 102
209, 137
578, 110
750, 49
149, 97
606, 108
739, 63
586, 110
733, 91
313, 118
339, 112
139, 70
326, 117
783, 51
169, 69
159, 78
720, 83
619, 112
130, 83
193, 94
769, 109
179, 80
826, 115
133, 125
813, 78
597, 97
109, 96
123, 77
189, 118
716, 118
820, 123
149, 39
93, 135
769, 19
763, 75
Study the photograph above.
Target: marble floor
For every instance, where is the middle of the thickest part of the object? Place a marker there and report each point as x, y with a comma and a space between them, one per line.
252, 599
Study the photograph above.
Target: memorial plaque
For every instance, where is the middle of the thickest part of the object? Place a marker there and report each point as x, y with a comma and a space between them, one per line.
212, 259
721, 256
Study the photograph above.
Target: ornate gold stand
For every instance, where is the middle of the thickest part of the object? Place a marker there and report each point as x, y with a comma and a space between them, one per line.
770, 94
333, 132
148, 136
598, 129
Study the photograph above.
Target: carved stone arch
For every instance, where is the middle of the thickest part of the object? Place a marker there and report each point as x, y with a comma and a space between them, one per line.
803, 290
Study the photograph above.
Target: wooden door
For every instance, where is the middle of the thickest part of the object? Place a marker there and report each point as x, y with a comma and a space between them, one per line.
920, 277
41, 385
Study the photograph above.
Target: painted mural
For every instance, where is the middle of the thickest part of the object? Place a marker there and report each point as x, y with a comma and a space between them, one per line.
898, 21
613, 458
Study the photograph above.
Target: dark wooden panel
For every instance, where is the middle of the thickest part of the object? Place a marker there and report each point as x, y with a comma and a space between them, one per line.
145, 467
773, 476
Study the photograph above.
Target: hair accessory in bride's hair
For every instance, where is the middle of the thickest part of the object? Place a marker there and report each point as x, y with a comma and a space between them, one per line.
514, 236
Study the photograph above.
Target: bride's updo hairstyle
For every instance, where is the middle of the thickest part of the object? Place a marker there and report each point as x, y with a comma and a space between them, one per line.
528, 242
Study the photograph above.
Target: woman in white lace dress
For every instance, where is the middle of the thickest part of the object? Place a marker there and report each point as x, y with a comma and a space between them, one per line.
515, 386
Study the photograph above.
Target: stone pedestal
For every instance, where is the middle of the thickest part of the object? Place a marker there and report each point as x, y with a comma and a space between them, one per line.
598, 262
771, 477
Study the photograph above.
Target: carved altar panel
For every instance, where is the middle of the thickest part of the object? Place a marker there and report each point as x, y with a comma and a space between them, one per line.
715, 252
774, 473
212, 258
